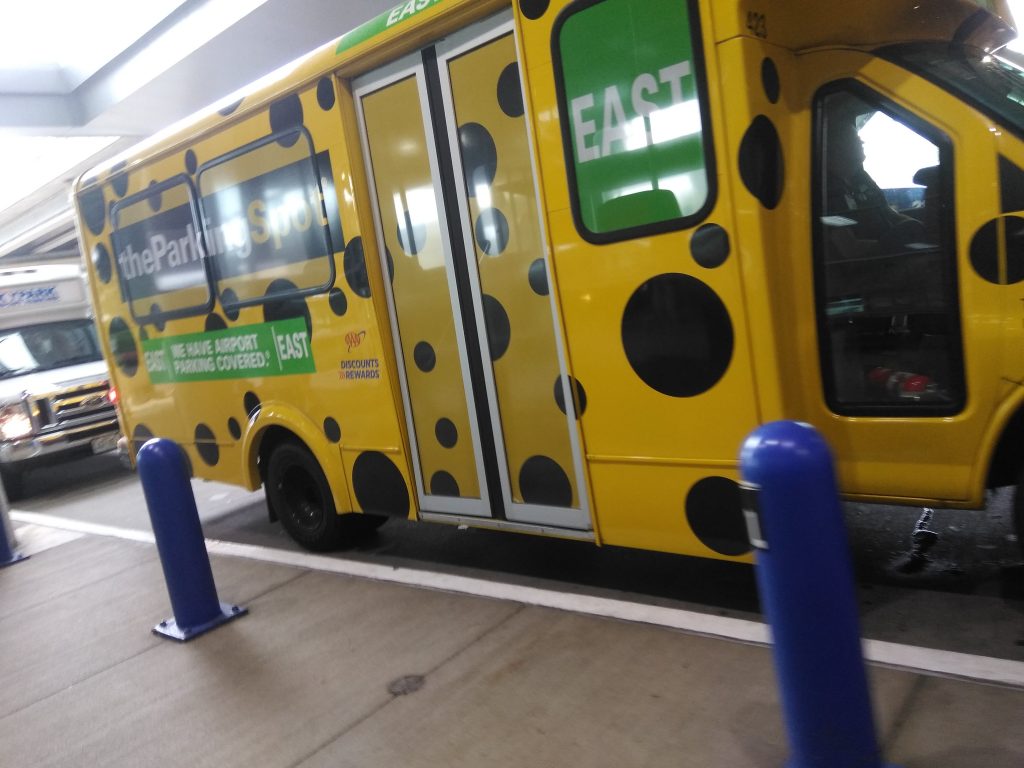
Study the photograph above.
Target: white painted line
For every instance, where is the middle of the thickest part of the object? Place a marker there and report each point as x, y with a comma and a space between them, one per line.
674, 618
908, 657
33, 539
67, 524
945, 663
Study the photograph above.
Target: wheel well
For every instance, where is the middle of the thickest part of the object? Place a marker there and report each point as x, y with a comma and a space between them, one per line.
1007, 458
270, 439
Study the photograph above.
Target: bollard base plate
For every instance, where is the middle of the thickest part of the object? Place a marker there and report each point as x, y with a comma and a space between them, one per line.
814, 764
16, 557
172, 630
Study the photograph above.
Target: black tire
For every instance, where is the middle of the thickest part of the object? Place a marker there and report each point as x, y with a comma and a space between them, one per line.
14, 484
1018, 515
298, 492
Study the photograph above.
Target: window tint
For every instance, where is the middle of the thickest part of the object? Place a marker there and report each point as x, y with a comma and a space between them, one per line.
159, 256
631, 92
46, 346
265, 219
885, 260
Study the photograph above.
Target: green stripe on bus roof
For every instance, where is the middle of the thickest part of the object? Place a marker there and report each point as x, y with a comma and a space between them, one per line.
381, 23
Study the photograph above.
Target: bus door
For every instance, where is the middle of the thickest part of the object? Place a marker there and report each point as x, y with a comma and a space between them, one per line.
487, 400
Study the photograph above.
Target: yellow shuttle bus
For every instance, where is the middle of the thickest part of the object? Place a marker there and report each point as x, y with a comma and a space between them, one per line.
542, 266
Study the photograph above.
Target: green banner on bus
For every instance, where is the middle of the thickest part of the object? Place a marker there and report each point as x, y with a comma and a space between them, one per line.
279, 348
632, 113
385, 21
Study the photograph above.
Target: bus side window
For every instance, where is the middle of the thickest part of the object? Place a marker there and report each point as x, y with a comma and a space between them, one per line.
888, 317
159, 256
265, 219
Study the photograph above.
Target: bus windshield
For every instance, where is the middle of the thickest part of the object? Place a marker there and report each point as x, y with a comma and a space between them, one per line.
991, 82
47, 346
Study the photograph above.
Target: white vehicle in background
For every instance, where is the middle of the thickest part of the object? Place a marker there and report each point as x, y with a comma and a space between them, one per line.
56, 402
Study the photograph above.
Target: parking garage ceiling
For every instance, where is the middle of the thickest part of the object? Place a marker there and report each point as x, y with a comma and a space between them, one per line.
82, 81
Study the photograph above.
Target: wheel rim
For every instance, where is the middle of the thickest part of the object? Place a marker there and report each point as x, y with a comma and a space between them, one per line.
302, 500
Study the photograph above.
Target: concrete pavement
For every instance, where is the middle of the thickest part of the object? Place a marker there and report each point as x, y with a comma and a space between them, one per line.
337, 670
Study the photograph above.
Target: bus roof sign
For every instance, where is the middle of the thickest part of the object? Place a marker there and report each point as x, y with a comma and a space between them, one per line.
382, 23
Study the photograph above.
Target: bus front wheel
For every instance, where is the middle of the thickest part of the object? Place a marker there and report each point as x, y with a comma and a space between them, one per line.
1018, 515
299, 493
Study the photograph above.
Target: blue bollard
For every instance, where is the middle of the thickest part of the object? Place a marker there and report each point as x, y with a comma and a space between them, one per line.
805, 580
9, 554
163, 468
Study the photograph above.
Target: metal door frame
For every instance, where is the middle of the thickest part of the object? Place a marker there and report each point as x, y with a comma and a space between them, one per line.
411, 65
453, 46
519, 514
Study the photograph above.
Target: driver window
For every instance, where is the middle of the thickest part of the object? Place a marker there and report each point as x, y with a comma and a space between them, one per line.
884, 260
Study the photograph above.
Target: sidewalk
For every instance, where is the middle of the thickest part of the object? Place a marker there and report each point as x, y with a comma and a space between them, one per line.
304, 679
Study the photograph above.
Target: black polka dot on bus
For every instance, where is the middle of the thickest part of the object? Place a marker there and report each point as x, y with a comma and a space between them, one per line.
499, 331
760, 162
391, 264
215, 322
234, 428
446, 433
424, 356
229, 108
101, 263
93, 208
715, 515
289, 304
538, 277
479, 156
158, 321
443, 484
677, 335
140, 436
770, 80
154, 198
337, 301
229, 303
379, 485
534, 9
354, 263
119, 179
1011, 186
510, 92
251, 403
581, 394
709, 246
491, 231
122, 347
1014, 235
206, 445
543, 481
411, 237
331, 430
984, 250
286, 118
191, 163
325, 93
